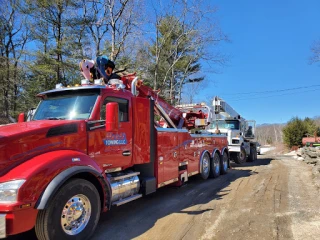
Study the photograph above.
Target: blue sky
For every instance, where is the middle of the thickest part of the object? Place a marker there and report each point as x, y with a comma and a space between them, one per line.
269, 49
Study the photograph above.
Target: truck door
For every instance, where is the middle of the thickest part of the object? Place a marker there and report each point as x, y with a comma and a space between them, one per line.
186, 152
113, 149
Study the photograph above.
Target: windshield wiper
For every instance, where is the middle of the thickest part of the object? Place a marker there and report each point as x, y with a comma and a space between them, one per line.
55, 118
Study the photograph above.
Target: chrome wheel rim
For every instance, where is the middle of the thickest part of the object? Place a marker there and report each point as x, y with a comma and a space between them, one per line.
241, 155
216, 163
205, 165
225, 162
75, 214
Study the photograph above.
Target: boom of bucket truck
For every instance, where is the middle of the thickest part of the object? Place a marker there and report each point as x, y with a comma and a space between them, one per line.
239, 131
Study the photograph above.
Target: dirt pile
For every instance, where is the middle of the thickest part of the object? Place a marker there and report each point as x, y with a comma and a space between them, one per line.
311, 155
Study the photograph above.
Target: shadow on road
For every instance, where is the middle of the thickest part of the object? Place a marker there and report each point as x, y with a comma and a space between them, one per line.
262, 160
135, 218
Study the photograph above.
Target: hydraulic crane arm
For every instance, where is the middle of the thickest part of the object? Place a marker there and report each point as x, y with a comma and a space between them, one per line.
223, 108
174, 116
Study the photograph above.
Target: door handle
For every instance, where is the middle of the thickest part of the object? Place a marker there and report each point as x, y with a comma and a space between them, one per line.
126, 153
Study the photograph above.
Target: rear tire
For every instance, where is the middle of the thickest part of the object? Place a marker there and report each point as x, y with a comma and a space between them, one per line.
215, 166
255, 154
73, 213
205, 166
241, 156
224, 163
252, 156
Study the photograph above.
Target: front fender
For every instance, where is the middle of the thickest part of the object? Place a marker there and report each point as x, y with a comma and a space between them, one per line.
225, 150
59, 180
215, 151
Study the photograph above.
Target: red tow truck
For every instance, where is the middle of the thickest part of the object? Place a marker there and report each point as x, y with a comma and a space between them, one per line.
94, 146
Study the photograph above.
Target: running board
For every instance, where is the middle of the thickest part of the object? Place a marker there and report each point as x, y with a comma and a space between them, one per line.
126, 200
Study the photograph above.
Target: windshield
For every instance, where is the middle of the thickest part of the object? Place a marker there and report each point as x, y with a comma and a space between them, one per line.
225, 125
67, 105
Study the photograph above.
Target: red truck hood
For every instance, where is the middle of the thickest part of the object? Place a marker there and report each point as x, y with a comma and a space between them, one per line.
21, 141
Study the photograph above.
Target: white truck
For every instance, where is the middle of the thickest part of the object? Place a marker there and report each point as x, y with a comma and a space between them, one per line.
240, 132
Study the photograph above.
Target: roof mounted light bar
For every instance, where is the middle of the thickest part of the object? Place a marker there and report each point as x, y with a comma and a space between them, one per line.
59, 85
85, 82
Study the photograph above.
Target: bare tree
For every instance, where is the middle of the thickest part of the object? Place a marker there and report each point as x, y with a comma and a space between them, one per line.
189, 32
95, 12
315, 49
13, 39
190, 90
113, 27
270, 134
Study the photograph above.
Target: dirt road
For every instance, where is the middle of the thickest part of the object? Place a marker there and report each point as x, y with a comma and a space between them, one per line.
268, 199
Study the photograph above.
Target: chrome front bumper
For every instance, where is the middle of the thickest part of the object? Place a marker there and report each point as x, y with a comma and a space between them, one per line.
234, 148
3, 226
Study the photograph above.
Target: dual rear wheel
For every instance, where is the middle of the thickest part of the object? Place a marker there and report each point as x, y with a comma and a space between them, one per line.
253, 154
241, 157
213, 167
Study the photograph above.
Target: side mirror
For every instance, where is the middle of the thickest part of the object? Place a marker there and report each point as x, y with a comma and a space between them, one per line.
112, 117
21, 117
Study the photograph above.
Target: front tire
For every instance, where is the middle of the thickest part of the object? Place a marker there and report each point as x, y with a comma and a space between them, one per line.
241, 156
73, 213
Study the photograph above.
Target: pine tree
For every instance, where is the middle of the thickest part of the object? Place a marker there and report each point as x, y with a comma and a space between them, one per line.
57, 31
296, 129
176, 57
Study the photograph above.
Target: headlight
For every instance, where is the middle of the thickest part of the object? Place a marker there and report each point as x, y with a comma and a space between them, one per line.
9, 191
